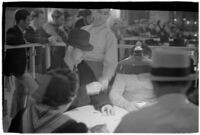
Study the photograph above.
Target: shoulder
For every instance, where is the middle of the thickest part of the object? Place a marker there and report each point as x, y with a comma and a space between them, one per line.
12, 29
72, 126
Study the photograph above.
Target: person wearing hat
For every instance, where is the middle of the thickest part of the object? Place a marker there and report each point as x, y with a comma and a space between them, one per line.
173, 113
86, 18
55, 94
89, 91
132, 89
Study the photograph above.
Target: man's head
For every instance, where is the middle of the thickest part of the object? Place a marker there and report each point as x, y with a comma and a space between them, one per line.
100, 16
22, 18
38, 18
87, 15
58, 17
78, 44
170, 71
68, 20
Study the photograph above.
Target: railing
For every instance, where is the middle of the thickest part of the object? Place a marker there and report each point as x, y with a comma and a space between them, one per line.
32, 53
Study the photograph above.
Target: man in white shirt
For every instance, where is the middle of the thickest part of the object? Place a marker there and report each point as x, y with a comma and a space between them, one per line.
173, 113
103, 58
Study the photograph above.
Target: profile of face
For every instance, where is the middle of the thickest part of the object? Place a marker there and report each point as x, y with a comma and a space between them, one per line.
59, 20
69, 22
25, 23
89, 19
100, 15
40, 20
77, 55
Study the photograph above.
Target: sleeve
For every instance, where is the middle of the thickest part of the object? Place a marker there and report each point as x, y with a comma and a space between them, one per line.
87, 76
11, 37
116, 94
51, 31
72, 127
111, 56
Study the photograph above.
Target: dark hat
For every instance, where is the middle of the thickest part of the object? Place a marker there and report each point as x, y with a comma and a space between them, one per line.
170, 64
84, 13
55, 89
79, 38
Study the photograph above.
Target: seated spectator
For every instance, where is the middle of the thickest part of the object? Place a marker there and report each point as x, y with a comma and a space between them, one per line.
179, 40
90, 89
85, 20
132, 88
34, 33
172, 113
45, 115
58, 35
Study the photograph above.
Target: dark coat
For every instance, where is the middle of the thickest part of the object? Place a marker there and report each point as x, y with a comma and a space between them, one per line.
15, 59
86, 76
70, 126
80, 23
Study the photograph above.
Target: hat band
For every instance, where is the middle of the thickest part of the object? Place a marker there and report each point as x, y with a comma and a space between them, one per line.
171, 72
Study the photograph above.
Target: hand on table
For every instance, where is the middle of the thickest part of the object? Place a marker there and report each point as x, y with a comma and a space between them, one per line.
93, 88
108, 109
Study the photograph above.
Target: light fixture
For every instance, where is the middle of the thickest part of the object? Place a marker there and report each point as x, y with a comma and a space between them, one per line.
188, 22
175, 19
195, 22
195, 34
184, 19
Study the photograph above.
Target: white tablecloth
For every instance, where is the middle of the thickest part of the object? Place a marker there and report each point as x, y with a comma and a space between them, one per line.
92, 117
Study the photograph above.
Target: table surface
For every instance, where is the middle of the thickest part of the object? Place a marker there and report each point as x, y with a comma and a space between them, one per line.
92, 117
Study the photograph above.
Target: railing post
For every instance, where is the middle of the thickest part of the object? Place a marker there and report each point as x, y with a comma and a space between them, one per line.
32, 60
48, 56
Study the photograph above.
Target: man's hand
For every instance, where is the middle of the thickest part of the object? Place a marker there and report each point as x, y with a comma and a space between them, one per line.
108, 109
132, 107
93, 88
104, 82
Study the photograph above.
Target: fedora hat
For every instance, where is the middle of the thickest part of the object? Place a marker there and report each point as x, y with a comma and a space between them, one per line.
79, 38
169, 64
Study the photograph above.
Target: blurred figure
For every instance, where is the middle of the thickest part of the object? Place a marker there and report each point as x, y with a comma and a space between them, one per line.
116, 27
90, 90
68, 23
132, 89
172, 113
45, 115
16, 62
179, 40
34, 33
57, 35
85, 20
103, 58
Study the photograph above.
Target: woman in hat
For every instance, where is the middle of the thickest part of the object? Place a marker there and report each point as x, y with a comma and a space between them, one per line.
55, 94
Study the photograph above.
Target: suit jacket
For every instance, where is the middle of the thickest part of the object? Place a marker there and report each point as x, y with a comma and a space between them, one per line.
15, 60
86, 76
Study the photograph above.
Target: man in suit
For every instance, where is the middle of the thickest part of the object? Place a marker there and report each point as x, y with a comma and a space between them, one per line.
16, 60
89, 91
173, 113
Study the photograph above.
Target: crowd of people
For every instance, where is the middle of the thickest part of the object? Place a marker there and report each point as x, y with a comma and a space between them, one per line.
150, 85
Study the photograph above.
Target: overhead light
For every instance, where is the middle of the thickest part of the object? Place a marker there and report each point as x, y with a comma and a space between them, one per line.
175, 19
195, 22
184, 19
195, 34
188, 22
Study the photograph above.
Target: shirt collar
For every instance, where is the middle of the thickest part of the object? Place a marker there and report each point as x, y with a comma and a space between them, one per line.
20, 29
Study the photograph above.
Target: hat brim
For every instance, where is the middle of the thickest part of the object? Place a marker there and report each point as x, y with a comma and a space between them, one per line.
162, 78
87, 47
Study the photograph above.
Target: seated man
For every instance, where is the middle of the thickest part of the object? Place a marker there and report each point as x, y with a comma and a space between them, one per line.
172, 113
45, 115
132, 88
89, 90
